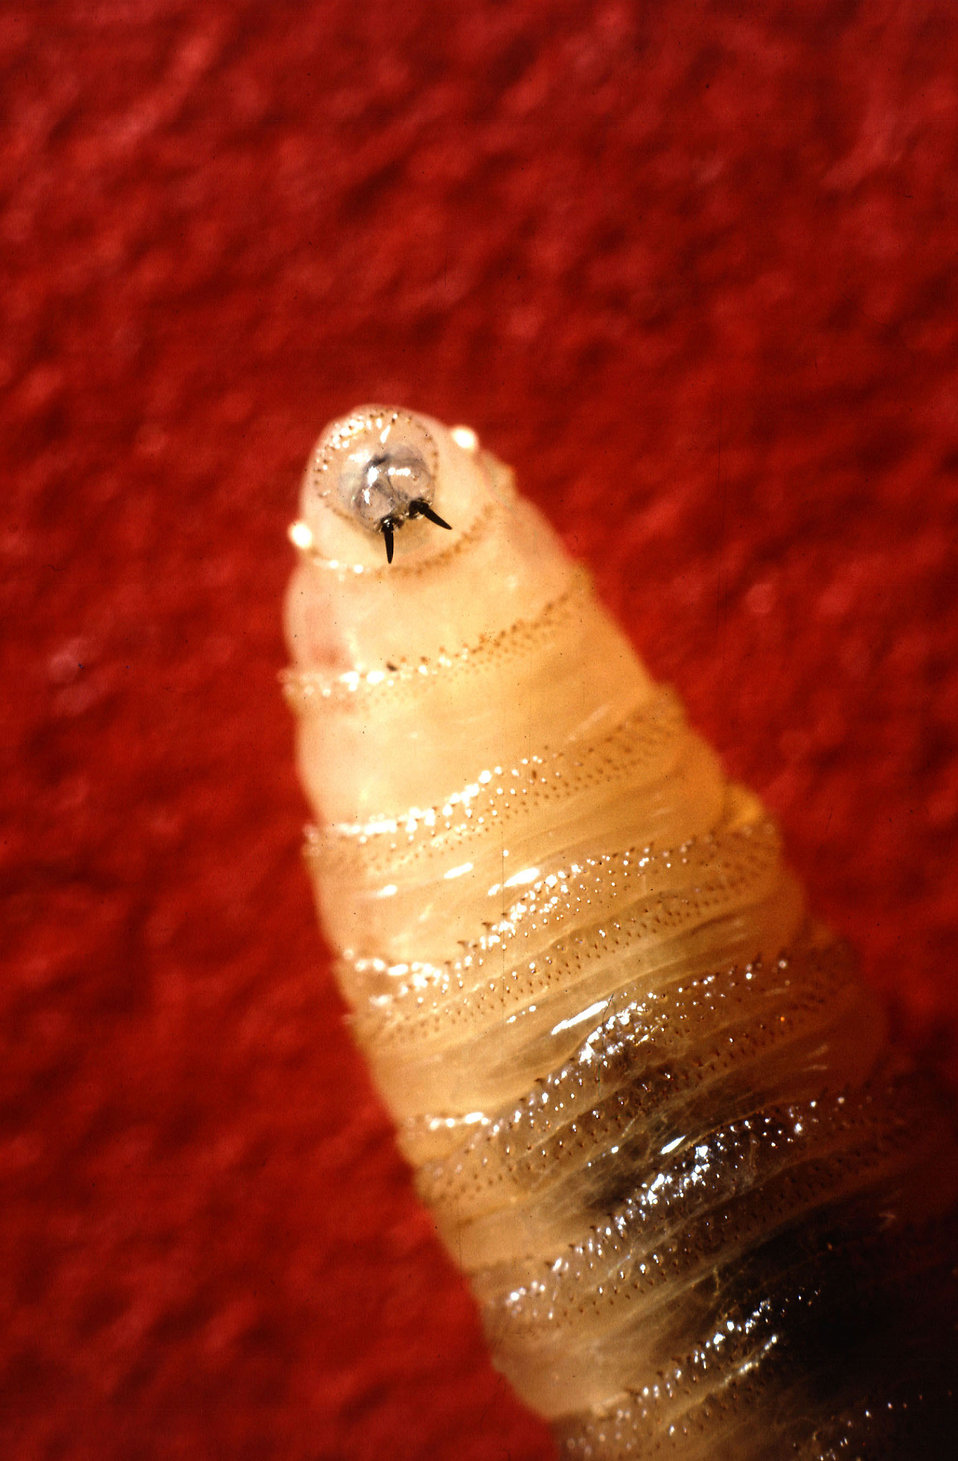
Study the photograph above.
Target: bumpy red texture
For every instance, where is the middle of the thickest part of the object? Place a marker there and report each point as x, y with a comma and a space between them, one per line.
690, 266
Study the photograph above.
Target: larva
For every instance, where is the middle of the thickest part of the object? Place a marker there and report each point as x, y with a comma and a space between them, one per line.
705, 1206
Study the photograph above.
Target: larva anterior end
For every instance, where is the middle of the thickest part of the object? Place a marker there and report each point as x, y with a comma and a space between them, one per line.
706, 1209
377, 471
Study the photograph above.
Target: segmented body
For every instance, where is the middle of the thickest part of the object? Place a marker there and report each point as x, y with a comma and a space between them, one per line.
703, 1205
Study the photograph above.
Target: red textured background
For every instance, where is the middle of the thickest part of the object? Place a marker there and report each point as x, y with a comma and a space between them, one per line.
691, 267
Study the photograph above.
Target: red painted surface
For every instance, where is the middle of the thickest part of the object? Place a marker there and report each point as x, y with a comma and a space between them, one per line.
689, 266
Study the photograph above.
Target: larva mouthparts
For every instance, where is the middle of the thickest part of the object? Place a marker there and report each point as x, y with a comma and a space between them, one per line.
707, 1210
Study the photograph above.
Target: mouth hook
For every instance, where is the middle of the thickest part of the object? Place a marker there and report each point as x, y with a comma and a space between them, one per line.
419, 508
422, 509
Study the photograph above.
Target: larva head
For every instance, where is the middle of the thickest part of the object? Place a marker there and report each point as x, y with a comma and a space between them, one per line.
379, 470
404, 671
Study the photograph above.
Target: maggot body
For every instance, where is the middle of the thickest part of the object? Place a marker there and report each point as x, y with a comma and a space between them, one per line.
702, 1202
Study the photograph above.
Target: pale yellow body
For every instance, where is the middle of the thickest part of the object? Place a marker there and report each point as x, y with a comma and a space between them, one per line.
617, 1050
